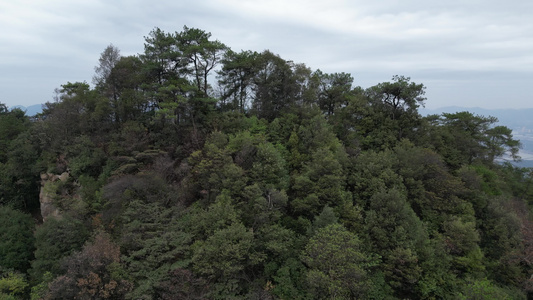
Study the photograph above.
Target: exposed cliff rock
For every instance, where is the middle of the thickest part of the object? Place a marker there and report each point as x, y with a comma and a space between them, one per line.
47, 195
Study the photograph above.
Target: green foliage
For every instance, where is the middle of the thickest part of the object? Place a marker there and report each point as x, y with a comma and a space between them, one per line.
437, 281
468, 137
502, 237
398, 97
486, 290
290, 280
54, 240
13, 285
85, 158
236, 77
489, 179
333, 90
337, 267
262, 207
461, 237
269, 170
273, 181
393, 112
12, 123
371, 172
182, 284
19, 175
275, 85
226, 257
16, 239
462, 241
279, 243
39, 291
203, 54
321, 183
204, 222
324, 219
152, 245
398, 236
90, 192
232, 247
433, 192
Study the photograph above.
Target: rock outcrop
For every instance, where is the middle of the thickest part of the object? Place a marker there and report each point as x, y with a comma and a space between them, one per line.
46, 197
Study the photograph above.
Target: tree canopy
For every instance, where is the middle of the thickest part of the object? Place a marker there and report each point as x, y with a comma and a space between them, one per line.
193, 171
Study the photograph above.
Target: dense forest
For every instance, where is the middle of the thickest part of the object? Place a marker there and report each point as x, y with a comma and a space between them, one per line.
192, 171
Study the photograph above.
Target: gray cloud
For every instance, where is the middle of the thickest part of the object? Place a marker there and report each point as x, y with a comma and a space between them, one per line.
477, 53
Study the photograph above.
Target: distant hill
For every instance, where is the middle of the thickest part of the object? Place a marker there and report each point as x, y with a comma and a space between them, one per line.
31, 110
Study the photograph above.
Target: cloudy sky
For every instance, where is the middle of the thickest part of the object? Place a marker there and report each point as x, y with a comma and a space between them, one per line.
467, 53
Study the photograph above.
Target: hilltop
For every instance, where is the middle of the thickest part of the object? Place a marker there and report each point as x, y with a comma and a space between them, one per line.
192, 171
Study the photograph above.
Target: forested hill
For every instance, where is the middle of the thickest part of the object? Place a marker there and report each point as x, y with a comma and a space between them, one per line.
191, 171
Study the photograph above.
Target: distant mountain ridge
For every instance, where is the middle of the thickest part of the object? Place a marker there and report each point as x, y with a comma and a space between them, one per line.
31, 110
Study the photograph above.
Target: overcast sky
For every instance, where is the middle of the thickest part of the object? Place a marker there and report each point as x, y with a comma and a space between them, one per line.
467, 53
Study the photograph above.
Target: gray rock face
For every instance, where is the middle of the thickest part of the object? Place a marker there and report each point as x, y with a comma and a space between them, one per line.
46, 198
